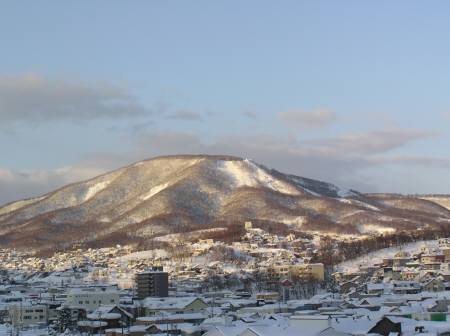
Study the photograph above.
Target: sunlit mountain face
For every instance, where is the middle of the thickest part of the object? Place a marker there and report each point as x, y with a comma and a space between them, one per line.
193, 192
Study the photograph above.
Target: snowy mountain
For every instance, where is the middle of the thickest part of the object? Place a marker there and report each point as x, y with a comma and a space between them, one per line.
185, 193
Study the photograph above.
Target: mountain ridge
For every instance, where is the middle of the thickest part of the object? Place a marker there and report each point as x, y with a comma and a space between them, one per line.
169, 194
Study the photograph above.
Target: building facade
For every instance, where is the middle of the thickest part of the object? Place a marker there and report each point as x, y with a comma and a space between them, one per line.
27, 314
90, 299
152, 283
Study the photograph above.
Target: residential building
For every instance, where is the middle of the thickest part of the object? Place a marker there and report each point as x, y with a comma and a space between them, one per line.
90, 299
152, 283
23, 315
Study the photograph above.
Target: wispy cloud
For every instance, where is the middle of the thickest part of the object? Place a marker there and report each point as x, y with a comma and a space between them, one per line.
412, 160
368, 143
312, 119
37, 99
343, 160
185, 115
250, 114
25, 184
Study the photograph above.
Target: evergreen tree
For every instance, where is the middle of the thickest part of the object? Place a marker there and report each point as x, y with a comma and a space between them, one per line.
64, 320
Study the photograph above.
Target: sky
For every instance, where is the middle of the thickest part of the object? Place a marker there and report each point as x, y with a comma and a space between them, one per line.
350, 92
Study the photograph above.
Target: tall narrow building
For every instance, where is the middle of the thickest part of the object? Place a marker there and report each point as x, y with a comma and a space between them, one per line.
152, 283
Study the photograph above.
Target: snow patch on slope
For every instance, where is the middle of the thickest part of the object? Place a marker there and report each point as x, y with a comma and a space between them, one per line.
247, 174
376, 257
296, 221
304, 186
175, 237
19, 204
342, 192
373, 228
149, 254
319, 188
442, 201
345, 192
95, 189
153, 191
358, 203
351, 213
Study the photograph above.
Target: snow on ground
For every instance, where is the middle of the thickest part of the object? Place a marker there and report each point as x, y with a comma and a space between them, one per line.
442, 201
19, 204
377, 256
358, 203
303, 185
345, 193
173, 237
95, 189
153, 191
351, 213
8, 331
294, 220
151, 254
247, 174
373, 228
311, 192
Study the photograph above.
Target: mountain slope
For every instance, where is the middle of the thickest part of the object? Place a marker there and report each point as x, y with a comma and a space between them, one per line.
182, 193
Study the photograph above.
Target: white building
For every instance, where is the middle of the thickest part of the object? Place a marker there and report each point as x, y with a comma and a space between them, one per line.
91, 298
23, 315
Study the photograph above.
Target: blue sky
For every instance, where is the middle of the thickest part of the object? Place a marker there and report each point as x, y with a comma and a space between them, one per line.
350, 92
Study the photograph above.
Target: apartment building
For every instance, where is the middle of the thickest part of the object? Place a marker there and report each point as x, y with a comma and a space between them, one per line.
297, 271
23, 315
152, 283
90, 299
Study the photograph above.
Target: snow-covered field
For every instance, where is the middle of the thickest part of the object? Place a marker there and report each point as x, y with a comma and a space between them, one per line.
174, 237
8, 331
377, 256
150, 254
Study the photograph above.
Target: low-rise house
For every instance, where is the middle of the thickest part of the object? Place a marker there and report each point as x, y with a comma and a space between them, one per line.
401, 258
406, 287
440, 305
267, 296
432, 258
192, 318
125, 317
136, 330
436, 266
376, 288
434, 285
409, 275
174, 305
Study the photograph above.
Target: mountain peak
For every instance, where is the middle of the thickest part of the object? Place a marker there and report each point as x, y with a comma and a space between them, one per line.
177, 193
